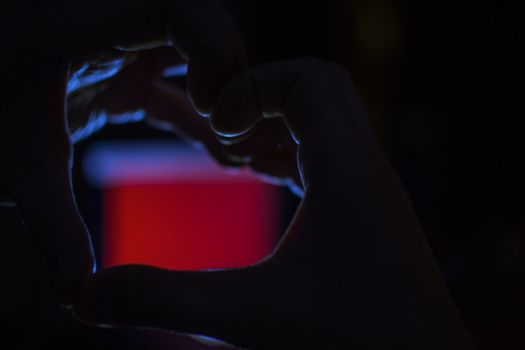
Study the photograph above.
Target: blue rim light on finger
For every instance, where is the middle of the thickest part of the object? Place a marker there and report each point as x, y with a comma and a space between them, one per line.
96, 122
125, 118
84, 77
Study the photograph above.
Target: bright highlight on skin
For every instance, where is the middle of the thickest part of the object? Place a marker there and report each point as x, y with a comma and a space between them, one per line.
80, 79
96, 122
87, 76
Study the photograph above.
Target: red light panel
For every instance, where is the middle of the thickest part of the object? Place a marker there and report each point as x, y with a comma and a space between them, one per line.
189, 226
170, 206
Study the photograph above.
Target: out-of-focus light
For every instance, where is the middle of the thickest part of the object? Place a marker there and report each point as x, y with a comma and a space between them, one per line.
171, 206
111, 163
177, 71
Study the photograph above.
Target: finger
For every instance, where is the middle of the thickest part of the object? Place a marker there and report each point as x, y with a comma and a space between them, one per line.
204, 33
168, 108
129, 90
121, 97
169, 104
39, 181
269, 91
262, 93
199, 29
323, 115
220, 304
49, 210
268, 135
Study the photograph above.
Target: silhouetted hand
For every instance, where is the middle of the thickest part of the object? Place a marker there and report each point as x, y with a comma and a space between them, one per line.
41, 42
353, 270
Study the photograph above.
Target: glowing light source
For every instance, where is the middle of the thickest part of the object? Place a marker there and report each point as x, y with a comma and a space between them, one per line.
173, 207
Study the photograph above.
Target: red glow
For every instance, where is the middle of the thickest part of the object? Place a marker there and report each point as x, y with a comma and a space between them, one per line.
189, 225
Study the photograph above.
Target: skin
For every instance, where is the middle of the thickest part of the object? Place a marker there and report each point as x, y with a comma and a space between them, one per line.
53, 37
353, 268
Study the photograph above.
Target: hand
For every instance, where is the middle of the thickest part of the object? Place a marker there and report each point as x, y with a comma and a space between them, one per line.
139, 90
41, 43
353, 269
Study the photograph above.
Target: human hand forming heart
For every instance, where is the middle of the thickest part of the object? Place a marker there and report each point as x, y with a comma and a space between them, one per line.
352, 270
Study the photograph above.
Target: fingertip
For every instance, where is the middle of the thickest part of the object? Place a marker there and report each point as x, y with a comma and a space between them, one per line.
203, 33
228, 130
236, 110
208, 70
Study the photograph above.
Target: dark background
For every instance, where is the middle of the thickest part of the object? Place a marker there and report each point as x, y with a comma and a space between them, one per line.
441, 81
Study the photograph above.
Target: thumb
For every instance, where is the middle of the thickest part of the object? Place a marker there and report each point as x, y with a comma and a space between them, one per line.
48, 208
221, 304
35, 155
